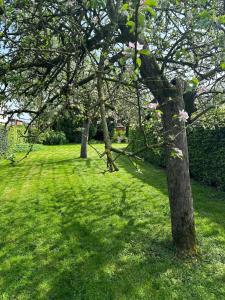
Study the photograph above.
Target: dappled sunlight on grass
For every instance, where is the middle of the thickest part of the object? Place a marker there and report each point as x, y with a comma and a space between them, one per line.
71, 231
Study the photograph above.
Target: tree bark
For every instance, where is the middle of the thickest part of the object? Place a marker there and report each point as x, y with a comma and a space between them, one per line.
110, 162
179, 187
180, 196
84, 139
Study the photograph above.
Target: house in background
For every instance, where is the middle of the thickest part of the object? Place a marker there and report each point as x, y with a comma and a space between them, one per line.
120, 127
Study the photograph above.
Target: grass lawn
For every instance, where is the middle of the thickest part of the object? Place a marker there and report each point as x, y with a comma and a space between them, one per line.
68, 231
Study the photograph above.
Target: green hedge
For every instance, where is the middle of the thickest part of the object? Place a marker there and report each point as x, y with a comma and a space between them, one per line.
136, 142
206, 153
16, 135
52, 137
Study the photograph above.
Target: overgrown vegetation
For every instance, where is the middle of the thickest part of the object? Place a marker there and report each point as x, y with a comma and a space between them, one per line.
64, 236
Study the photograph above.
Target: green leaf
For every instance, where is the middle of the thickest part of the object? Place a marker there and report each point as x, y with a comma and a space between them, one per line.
221, 19
151, 11
141, 20
122, 61
144, 52
125, 6
151, 3
195, 81
131, 24
138, 61
222, 65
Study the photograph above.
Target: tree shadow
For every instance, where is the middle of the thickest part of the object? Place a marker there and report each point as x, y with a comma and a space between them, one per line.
108, 237
208, 202
77, 246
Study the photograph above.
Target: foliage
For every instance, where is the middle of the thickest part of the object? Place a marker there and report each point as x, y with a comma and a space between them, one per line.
119, 136
35, 136
16, 135
70, 124
137, 142
65, 236
3, 140
96, 131
52, 137
11, 140
206, 148
207, 155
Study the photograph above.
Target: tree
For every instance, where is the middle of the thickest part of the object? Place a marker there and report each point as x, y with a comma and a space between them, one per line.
48, 42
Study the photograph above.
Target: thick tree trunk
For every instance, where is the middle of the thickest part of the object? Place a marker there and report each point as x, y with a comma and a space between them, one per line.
84, 140
179, 187
180, 196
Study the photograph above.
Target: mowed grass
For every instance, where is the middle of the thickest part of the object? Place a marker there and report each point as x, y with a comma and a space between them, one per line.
69, 231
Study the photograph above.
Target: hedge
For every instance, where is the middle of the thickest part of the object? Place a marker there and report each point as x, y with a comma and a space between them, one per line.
206, 153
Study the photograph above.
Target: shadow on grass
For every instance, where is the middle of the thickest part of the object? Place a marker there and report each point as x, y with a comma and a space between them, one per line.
90, 236
92, 259
208, 201
88, 244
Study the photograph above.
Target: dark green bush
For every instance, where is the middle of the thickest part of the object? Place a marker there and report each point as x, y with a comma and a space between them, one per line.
52, 137
206, 153
154, 155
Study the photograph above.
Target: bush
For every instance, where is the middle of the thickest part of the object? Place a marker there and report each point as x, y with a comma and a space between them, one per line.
207, 155
155, 155
52, 137
35, 136
206, 144
119, 136
16, 135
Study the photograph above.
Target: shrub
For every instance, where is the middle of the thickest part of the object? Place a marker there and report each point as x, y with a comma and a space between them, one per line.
119, 136
206, 143
35, 136
155, 154
52, 137
207, 155
16, 135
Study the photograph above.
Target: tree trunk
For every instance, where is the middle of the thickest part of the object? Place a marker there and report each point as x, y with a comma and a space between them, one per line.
84, 140
179, 187
110, 162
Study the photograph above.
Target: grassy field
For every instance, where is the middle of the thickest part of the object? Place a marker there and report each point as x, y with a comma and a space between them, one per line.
69, 231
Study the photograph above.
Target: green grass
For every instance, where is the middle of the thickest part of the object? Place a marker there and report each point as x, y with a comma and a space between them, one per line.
69, 231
